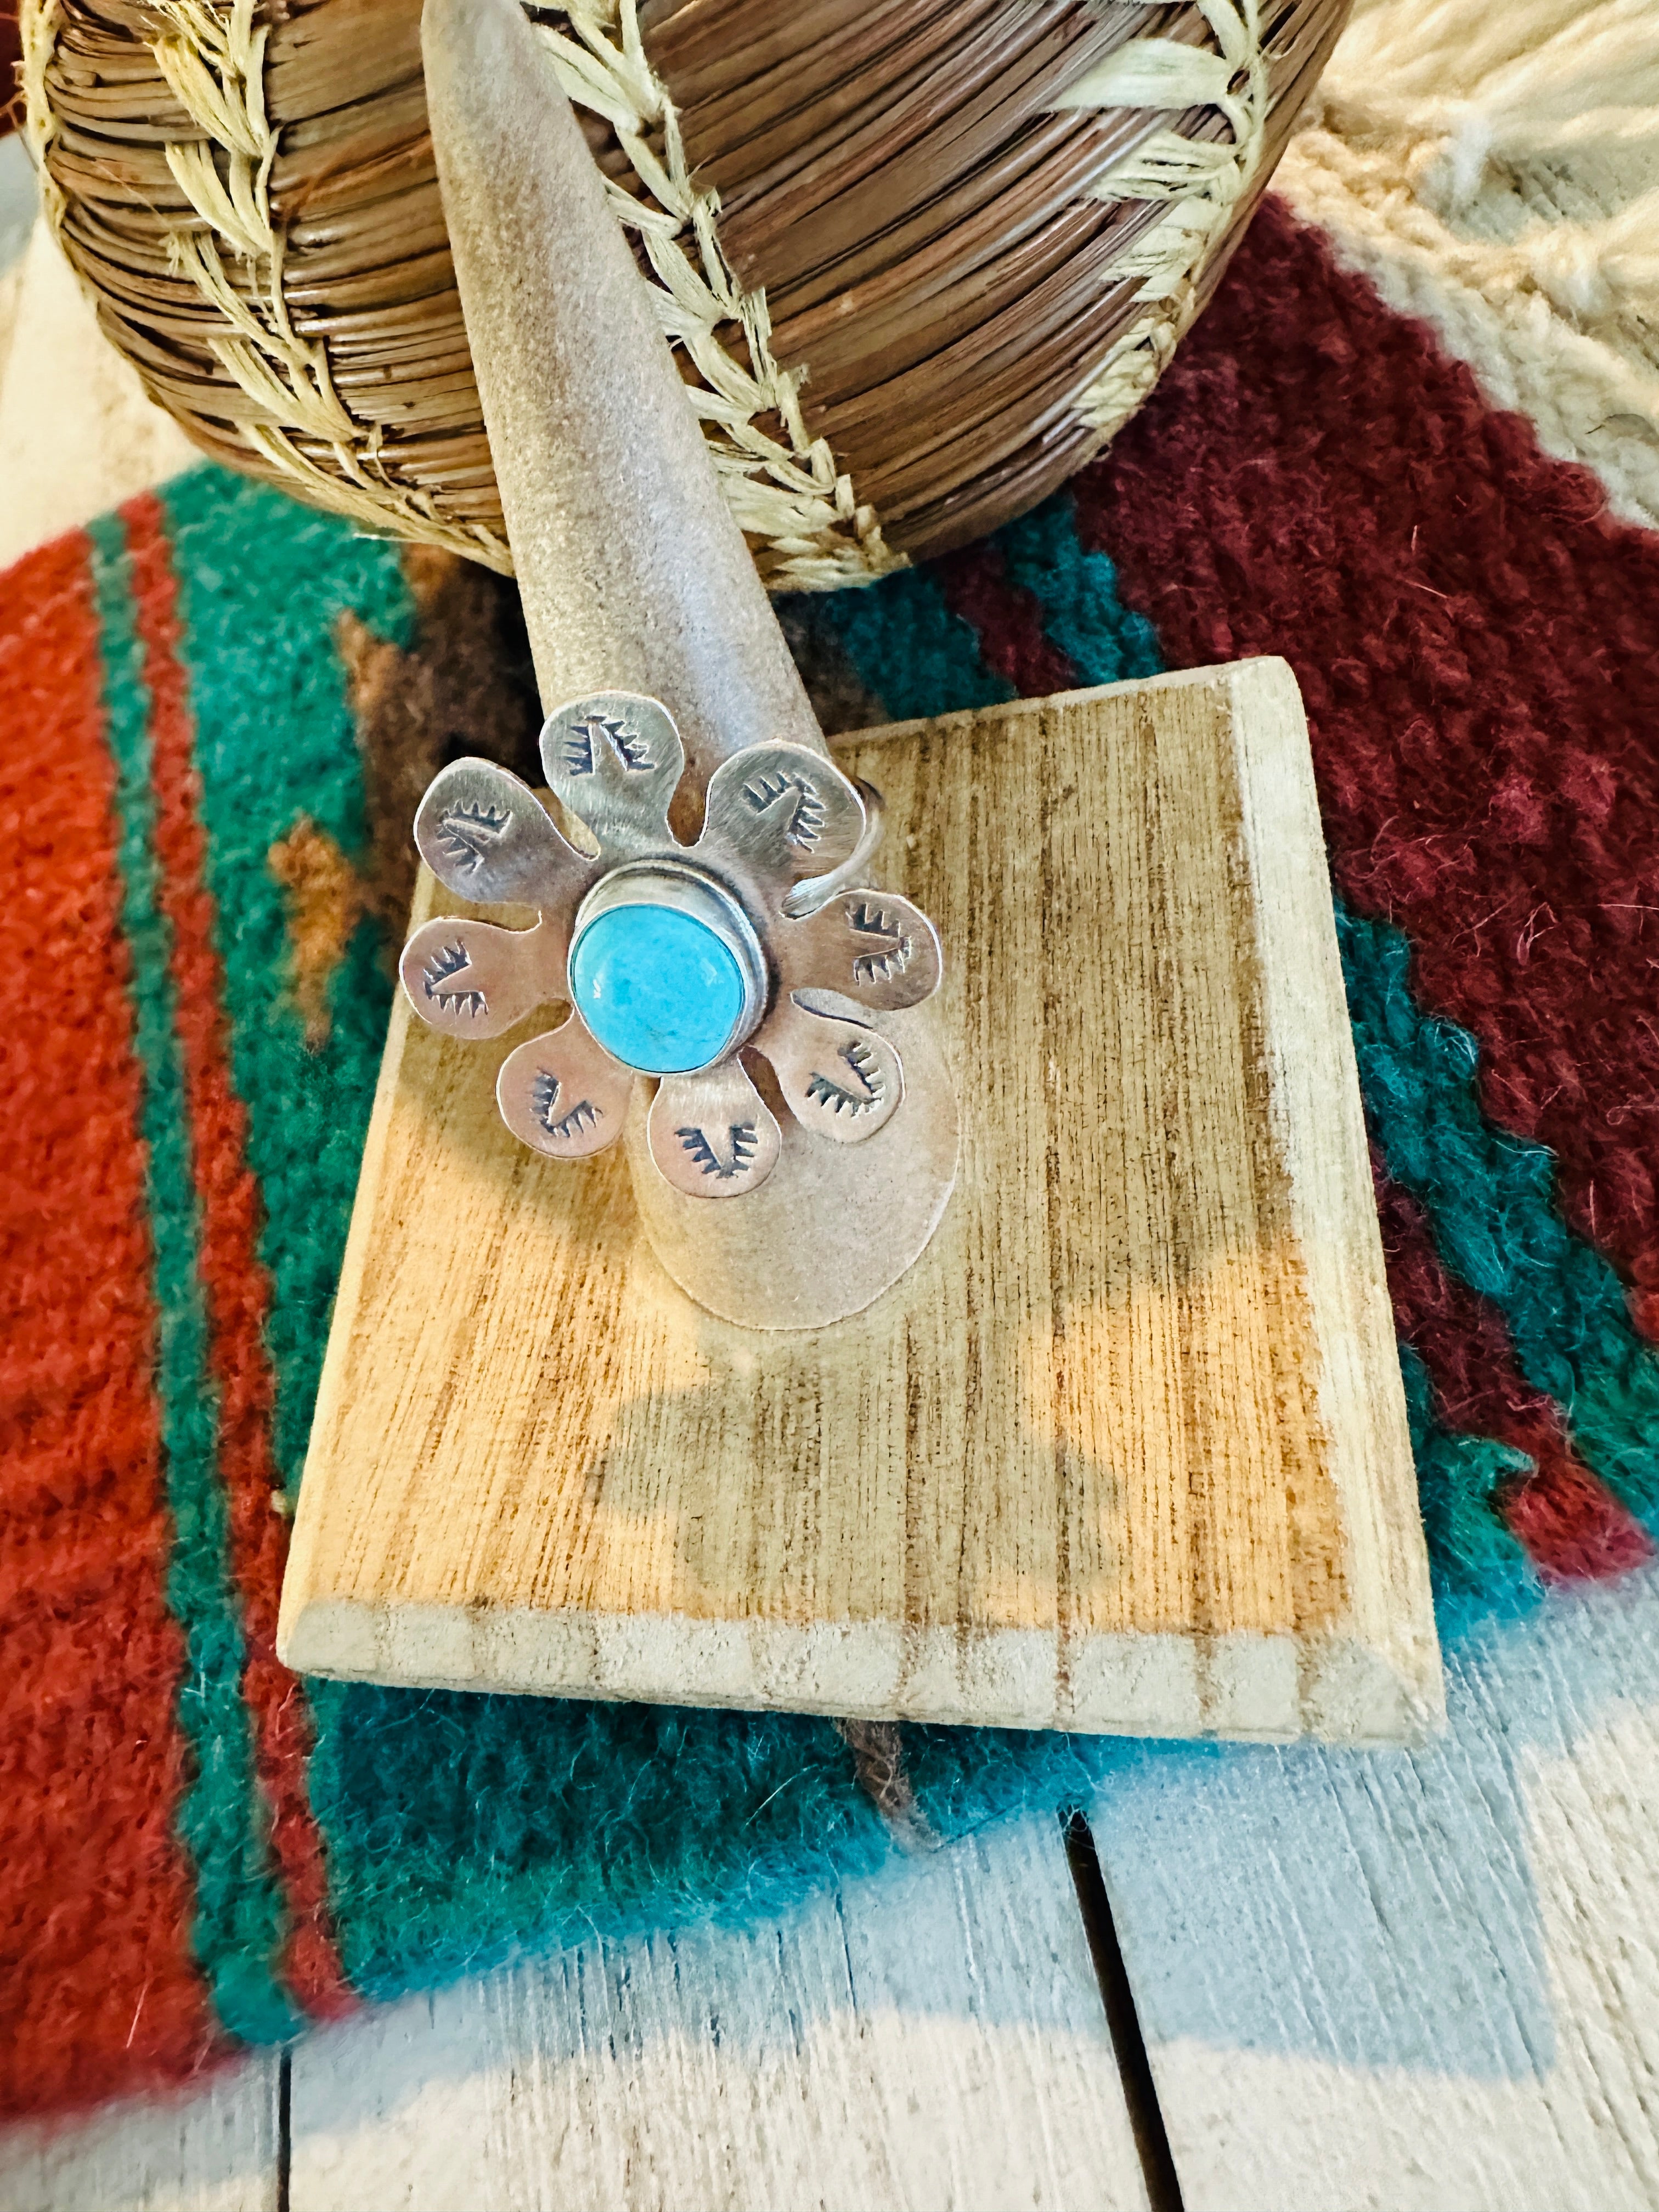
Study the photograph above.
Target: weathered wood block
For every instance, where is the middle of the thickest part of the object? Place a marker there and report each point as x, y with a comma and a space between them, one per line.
1125, 1450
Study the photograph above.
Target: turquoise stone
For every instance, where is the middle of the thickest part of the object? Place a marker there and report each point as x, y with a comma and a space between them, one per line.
660, 990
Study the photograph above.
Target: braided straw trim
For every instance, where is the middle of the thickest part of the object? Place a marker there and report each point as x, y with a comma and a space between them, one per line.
800, 511
37, 27
1202, 184
214, 64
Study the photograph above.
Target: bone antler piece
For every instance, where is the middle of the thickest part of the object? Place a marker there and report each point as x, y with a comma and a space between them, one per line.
637, 585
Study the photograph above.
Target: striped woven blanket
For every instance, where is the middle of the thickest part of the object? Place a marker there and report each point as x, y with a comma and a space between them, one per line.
219, 708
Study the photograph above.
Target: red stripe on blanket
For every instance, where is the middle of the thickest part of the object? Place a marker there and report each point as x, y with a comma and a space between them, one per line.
1007, 619
233, 1280
99, 1992
1571, 1523
1475, 643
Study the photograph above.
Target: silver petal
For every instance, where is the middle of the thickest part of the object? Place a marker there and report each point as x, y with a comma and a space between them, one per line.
564, 1095
873, 946
712, 1135
615, 760
776, 813
487, 837
811, 891
471, 979
840, 1079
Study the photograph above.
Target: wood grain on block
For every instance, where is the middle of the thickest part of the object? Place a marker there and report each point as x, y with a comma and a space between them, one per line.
1125, 1450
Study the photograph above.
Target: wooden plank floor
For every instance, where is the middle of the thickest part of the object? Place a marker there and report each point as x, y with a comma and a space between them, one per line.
1421, 1982
932, 2037
1369, 1982
219, 2150
1427, 1982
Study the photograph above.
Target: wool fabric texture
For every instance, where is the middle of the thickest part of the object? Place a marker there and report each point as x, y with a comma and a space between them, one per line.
1491, 171
219, 709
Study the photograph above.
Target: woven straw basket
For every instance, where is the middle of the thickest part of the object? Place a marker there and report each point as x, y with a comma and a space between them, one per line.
918, 259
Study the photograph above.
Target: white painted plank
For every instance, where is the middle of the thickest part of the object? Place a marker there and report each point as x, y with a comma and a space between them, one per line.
11, 292
17, 211
19, 200
213, 2151
1424, 1980
77, 434
932, 2037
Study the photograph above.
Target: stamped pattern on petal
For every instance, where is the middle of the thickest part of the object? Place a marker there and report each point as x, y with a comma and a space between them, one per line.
615, 759
471, 979
712, 1135
563, 1095
487, 837
841, 1079
778, 813
873, 946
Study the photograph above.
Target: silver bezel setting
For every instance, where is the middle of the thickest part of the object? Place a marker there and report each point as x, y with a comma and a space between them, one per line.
668, 883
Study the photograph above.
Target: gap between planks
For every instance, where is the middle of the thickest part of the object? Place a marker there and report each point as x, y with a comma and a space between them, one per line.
1414, 1982
929, 2038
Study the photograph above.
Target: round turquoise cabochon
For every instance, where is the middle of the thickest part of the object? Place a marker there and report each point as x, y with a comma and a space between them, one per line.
660, 990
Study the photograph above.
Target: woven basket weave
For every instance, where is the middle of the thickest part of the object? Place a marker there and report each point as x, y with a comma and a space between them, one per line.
918, 258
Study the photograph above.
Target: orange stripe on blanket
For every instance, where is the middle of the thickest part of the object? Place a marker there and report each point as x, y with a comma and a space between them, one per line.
100, 1991
233, 1279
